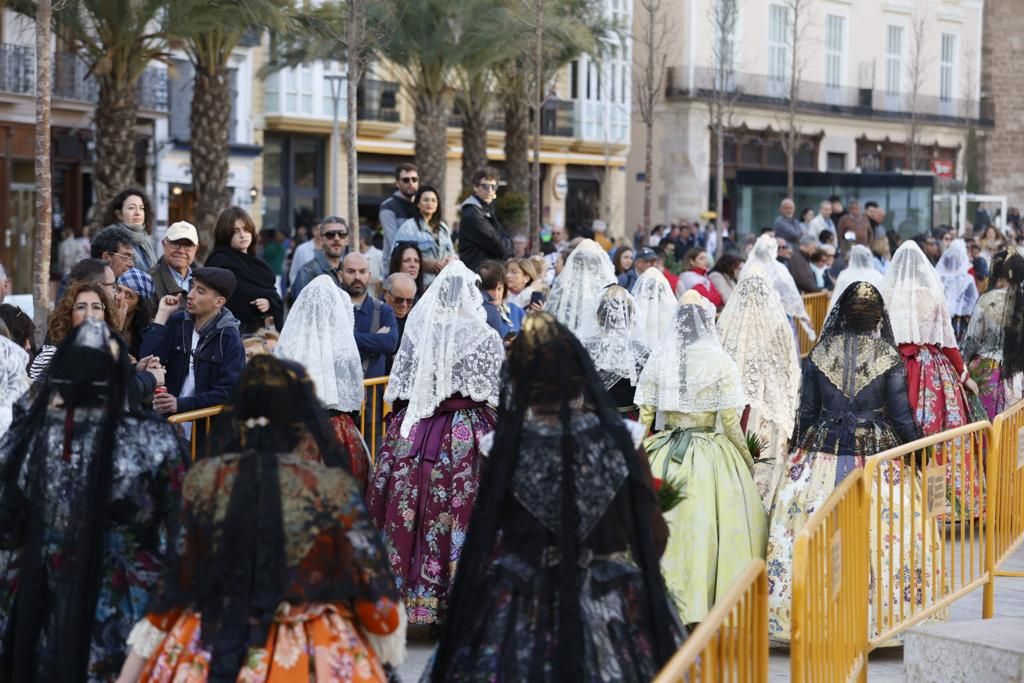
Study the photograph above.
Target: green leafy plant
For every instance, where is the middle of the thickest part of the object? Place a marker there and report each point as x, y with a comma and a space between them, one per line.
756, 445
670, 494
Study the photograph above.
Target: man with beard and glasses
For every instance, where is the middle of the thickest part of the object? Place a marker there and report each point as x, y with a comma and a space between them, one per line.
376, 326
326, 261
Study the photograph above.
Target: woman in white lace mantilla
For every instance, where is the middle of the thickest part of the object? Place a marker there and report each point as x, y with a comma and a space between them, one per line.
574, 295
689, 385
444, 388
655, 306
609, 338
954, 269
757, 335
320, 335
763, 256
861, 268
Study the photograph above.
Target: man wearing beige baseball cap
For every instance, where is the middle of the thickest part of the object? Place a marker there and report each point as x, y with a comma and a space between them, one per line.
172, 274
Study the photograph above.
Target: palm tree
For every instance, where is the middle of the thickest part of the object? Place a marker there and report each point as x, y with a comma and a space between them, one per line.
320, 33
118, 39
552, 33
422, 45
212, 30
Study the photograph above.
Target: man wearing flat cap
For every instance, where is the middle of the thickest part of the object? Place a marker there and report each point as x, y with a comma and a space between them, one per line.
200, 347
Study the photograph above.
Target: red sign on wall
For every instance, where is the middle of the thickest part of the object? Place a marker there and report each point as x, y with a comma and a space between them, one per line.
943, 169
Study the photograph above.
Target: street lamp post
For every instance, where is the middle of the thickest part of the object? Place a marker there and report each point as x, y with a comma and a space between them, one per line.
335, 83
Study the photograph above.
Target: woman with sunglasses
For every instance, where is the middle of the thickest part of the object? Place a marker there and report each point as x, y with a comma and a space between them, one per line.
430, 233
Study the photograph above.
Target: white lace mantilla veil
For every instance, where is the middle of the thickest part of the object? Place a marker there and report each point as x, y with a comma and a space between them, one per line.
320, 335
689, 371
609, 338
655, 306
13, 379
861, 268
915, 301
448, 348
574, 295
756, 334
954, 269
764, 253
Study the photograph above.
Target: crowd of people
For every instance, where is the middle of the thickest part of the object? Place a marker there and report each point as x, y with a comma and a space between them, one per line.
585, 445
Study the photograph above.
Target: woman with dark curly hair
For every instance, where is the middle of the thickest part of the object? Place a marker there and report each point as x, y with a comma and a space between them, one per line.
82, 300
132, 210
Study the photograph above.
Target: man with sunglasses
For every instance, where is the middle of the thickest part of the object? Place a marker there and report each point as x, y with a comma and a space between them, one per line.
334, 238
481, 236
398, 208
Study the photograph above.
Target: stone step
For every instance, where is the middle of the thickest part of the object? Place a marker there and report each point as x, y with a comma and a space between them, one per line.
983, 650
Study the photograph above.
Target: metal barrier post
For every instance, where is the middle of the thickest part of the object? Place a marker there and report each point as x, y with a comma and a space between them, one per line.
193, 417
816, 305
830, 583
376, 411
1006, 491
927, 509
731, 644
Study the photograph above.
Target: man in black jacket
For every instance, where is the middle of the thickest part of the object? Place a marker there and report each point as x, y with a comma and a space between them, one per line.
481, 235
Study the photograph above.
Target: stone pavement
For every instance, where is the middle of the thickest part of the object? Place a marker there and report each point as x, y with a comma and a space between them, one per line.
884, 666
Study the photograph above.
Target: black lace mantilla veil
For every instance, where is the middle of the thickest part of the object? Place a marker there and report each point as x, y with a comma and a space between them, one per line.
234, 561
89, 370
1013, 317
597, 476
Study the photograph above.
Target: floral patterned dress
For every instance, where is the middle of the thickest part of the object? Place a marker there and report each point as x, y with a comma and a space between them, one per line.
148, 465
327, 530
421, 495
983, 350
351, 440
853, 405
939, 403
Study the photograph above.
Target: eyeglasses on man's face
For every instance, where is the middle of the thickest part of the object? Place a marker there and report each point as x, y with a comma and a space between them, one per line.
85, 307
401, 301
409, 179
488, 187
335, 235
183, 245
112, 286
129, 258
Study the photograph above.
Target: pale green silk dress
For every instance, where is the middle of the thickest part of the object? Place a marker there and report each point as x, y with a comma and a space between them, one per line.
720, 525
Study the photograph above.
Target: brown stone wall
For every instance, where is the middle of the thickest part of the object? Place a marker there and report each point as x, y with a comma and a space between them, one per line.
1002, 80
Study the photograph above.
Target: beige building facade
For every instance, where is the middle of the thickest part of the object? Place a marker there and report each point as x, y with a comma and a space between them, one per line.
584, 144
872, 75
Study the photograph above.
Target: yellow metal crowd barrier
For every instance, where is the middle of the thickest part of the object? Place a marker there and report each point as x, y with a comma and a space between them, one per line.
817, 306
371, 418
204, 417
731, 644
929, 534
830, 580
1005, 495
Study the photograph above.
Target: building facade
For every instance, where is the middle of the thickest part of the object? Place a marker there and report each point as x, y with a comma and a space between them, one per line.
1002, 73
585, 137
73, 101
874, 75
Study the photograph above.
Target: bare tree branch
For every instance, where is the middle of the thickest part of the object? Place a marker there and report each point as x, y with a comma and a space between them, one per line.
917, 70
652, 28
797, 25
721, 95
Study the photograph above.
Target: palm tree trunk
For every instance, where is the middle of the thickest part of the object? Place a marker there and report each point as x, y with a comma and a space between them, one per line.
115, 115
431, 139
517, 142
210, 120
474, 139
44, 190
351, 153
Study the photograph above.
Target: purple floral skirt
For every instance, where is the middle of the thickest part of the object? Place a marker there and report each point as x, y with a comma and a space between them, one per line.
421, 494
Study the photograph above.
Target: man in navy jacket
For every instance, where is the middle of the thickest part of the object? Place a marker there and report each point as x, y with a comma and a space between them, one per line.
376, 328
200, 348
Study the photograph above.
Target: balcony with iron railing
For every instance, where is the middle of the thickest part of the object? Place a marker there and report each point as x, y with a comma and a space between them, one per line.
763, 90
558, 119
72, 79
378, 101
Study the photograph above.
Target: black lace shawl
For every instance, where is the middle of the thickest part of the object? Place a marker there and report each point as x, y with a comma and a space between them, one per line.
570, 476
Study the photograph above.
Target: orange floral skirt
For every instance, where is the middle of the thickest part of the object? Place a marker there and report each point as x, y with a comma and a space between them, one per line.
306, 643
